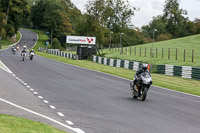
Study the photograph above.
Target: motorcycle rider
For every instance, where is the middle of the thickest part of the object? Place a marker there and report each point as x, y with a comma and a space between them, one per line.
140, 71
31, 51
17, 47
24, 46
23, 51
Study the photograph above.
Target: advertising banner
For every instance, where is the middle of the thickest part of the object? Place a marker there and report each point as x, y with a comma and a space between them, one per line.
81, 40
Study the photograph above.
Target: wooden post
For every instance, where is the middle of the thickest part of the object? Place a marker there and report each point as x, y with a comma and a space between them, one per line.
184, 56
130, 50
162, 53
176, 54
192, 56
140, 51
126, 50
150, 52
168, 53
156, 52
118, 47
135, 51
145, 52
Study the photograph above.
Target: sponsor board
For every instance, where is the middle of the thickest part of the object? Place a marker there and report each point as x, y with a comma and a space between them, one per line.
81, 40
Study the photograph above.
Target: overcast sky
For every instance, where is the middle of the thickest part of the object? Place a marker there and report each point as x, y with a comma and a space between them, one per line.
150, 8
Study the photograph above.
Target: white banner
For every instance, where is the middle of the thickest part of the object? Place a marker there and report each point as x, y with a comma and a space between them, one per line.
81, 40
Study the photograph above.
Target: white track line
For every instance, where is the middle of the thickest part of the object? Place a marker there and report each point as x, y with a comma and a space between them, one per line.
70, 123
5, 68
60, 114
77, 130
45, 101
52, 107
28, 87
35, 93
40, 97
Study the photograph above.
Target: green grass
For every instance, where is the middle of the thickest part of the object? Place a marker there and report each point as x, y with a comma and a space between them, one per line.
175, 83
12, 124
6, 42
188, 43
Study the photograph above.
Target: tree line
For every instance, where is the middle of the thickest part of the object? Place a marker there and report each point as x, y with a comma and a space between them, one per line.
108, 20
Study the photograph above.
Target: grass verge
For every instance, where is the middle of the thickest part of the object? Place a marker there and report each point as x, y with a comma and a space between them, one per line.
7, 42
12, 124
175, 83
164, 48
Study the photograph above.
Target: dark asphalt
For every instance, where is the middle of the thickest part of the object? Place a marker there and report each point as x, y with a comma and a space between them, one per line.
100, 103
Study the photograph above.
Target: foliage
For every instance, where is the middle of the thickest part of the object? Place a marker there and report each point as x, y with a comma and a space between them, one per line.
172, 24
52, 17
56, 44
14, 12
174, 19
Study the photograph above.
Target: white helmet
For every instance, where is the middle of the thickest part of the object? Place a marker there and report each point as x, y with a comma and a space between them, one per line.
144, 67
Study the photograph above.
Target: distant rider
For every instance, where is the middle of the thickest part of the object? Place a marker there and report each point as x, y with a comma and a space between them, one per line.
23, 51
31, 51
24, 46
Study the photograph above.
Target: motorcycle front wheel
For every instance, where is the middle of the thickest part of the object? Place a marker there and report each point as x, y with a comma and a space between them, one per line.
144, 94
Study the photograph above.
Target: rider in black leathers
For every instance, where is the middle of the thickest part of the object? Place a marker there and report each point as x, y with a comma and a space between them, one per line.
139, 71
23, 51
32, 50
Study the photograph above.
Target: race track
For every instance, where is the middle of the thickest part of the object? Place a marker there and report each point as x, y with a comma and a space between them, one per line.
100, 103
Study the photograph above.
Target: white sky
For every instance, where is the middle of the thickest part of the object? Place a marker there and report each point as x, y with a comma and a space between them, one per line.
150, 8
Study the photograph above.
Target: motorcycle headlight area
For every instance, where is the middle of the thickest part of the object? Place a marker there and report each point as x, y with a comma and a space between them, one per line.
146, 80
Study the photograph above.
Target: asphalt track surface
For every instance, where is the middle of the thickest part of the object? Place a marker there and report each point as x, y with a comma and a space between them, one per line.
100, 103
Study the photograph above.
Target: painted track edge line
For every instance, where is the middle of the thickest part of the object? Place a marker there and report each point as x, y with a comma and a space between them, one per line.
123, 78
43, 116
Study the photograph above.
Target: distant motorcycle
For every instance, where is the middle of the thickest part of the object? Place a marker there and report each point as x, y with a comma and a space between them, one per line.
31, 55
142, 86
14, 50
23, 56
17, 48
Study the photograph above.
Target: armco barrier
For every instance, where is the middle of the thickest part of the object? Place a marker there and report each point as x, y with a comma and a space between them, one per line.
180, 71
63, 54
118, 63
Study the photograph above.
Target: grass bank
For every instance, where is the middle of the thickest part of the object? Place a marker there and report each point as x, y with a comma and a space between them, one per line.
175, 83
12, 124
166, 52
7, 42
